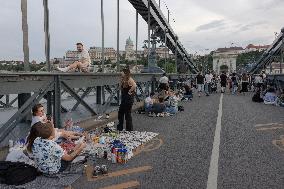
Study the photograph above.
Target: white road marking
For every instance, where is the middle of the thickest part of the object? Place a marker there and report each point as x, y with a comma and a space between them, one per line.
212, 181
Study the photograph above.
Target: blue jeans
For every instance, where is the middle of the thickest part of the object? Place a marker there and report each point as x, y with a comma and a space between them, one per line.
188, 96
148, 107
234, 90
207, 85
171, 110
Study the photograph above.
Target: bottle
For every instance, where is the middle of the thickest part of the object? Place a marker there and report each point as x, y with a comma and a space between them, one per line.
113, 156
105, 154
11, 143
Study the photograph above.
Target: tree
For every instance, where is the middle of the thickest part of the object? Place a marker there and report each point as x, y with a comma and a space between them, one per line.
248, 58
224, 68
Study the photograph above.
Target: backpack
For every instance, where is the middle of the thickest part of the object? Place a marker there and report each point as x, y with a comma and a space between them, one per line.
180, 108
16, 173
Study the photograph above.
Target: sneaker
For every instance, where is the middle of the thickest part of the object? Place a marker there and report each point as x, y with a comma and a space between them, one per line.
104, 170
62, 69
107, 116
96, 171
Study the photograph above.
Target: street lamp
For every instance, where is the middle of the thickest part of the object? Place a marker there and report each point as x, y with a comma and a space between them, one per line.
166, 31
282, 49
176, 39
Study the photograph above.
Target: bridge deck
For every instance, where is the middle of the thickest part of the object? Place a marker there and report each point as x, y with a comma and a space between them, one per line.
247, 159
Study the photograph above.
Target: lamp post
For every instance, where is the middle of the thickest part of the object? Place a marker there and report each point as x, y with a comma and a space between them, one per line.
117, 47
149, 19
24, 8
282, 49
47, 52
176, 55
103, 36
166, 31
136, 47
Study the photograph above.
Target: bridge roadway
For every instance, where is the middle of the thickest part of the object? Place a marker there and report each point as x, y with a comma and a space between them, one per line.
247, 156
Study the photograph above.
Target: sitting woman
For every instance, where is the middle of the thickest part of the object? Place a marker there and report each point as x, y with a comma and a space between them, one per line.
270, 96
49, 157
172, 104
257, 96
158, 108
38, 115
188, 93
149, 101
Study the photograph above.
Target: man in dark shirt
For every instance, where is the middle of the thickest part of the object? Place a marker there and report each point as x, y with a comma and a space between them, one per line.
223, 78
200, 83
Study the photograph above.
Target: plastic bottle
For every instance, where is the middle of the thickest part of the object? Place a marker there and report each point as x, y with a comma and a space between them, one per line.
113, 156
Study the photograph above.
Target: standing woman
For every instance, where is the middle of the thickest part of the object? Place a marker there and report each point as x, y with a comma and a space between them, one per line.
245, 83
128, 87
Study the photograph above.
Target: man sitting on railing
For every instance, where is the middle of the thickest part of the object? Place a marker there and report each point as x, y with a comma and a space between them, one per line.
83, 62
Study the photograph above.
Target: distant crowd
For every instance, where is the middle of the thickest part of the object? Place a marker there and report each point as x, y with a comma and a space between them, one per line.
172, 91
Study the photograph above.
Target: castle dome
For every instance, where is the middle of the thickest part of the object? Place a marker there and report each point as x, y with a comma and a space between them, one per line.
129, 42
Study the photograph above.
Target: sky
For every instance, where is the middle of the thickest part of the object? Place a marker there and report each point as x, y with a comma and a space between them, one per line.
202, 25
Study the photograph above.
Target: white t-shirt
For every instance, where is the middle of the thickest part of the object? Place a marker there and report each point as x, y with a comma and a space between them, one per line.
164, 80
258, 79
36, 119
148, 100
84, 57
208, 78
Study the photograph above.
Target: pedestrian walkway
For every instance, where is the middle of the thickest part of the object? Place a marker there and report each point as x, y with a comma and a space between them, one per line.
250, 153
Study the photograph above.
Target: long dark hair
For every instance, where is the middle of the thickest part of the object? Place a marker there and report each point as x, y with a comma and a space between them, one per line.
39, 129
125, 78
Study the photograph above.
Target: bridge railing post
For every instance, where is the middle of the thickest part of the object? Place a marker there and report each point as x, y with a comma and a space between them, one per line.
57, 101
99, 95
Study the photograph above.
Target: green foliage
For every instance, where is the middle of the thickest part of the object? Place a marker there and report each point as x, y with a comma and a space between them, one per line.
205, 61
248, 58
20, 67
224, 68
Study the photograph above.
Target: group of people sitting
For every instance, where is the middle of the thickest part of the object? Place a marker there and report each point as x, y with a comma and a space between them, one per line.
270, 96
41, 145
166, 102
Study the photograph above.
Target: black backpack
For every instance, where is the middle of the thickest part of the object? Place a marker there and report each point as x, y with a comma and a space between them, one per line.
16, 173
180, 108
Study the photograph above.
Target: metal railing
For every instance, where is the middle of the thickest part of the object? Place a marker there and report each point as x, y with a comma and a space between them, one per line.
52, 85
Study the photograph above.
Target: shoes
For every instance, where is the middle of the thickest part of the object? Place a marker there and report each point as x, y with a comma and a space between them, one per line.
62, 69
103, 170
96, 171
107, 116
151, 114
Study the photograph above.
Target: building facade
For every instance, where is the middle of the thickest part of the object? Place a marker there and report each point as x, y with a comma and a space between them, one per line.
226, 57
259, 48
129, 50
274, 68
96, 54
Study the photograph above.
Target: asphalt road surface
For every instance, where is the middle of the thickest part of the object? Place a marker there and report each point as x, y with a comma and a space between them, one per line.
247, 152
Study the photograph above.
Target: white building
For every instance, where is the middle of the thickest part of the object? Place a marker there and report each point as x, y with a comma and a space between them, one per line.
96, 54
129, 50
226, 57
252, 47
275, 68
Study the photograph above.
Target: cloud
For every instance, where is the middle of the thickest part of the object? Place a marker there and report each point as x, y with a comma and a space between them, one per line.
211, 25
251, 26
237, 21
